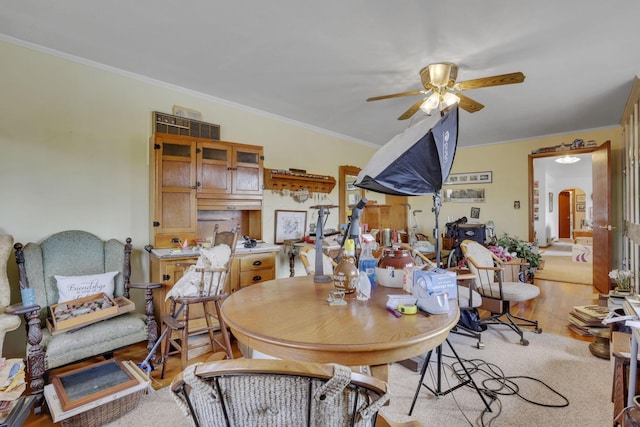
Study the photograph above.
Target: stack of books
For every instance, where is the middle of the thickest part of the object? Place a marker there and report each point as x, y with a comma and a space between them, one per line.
584, 318
13, 413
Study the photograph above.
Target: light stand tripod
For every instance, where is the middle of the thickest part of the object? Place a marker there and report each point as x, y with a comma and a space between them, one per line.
353, 228
436, 231
438, 390
319, 276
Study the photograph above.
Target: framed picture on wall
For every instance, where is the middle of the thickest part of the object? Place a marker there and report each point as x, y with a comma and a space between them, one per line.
470, 178
290, 225
464, 195
475, 213
550, 202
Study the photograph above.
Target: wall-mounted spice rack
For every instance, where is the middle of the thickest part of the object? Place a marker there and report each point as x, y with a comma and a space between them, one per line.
297, 180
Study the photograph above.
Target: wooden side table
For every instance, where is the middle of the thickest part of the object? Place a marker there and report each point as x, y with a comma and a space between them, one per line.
621, 351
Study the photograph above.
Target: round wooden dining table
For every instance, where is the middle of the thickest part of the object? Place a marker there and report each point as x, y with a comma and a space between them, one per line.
290, 318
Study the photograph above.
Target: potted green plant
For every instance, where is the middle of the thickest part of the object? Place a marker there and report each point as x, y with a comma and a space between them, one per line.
522, 250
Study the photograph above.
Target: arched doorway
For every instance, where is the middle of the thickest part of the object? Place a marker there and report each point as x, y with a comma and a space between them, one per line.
571, 212
564, 214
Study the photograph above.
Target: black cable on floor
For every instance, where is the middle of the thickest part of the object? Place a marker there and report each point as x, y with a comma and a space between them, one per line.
498, 384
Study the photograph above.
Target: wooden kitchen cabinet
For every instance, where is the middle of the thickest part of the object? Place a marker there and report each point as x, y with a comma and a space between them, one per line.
229, 170
190, 175
376, 216
166, 271
249, 269
246, 269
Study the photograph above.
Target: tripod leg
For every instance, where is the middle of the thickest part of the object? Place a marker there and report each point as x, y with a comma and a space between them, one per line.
470, 379
420, 383
439, 386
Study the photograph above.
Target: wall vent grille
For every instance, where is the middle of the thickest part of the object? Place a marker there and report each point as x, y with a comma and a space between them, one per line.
176, 125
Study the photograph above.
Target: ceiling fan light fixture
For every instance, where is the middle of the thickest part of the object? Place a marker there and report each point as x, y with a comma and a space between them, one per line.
448, 99
430, 103
439, 74
567, 160
438, 80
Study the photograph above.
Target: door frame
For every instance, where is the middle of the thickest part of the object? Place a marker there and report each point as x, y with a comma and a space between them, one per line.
601, 190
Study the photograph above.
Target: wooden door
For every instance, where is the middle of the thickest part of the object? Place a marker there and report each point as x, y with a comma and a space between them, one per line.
247, 171
175, 200
214, 169
601, 159
564, 215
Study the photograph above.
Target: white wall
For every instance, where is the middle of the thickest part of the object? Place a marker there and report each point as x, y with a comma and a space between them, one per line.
554, 178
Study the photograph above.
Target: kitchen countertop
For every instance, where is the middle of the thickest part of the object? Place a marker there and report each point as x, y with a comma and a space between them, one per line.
190, 252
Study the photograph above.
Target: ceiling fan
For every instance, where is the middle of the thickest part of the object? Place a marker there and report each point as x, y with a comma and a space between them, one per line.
439, 81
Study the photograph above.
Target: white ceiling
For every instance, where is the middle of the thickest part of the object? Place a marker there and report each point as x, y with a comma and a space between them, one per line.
317, 62
548, 166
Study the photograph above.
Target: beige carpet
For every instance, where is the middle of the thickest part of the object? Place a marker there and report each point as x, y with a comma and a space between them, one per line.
559, 266
564, 364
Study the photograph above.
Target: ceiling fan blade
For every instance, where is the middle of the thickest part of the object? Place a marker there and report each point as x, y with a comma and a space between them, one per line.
469, 104
411, 111
397, 95
503, 79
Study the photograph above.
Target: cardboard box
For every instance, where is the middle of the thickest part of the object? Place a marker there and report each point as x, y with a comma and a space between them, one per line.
435, 282
120, 305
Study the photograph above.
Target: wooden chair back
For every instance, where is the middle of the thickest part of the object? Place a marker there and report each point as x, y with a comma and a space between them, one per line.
229, 238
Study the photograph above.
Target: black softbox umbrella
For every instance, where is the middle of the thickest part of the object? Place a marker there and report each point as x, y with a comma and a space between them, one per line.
415, 163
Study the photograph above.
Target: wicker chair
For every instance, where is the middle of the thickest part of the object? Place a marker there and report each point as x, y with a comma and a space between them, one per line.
246, 392
491, 284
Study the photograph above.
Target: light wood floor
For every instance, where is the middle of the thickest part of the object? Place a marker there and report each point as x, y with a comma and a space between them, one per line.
550, 309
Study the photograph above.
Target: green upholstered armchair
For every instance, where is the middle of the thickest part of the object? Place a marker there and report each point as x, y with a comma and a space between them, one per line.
8, 322
78, 253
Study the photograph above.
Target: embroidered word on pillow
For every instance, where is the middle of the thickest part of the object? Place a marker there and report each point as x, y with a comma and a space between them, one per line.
74, 287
